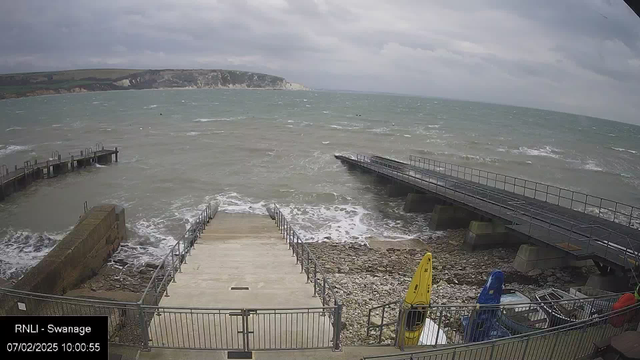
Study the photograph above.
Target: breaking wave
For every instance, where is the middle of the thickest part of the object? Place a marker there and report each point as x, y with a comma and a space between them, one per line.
9, 149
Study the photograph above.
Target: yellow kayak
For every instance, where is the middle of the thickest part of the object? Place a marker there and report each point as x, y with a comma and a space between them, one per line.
418, 297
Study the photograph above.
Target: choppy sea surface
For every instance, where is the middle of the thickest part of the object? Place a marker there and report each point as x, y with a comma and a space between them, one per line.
248, 148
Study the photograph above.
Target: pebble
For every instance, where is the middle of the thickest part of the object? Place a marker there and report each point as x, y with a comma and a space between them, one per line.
366, 277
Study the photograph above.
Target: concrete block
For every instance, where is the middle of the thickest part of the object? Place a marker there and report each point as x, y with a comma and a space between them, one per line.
104, 159
482, 235
531, 257
450, 217
481, 227
420, 203
80, 254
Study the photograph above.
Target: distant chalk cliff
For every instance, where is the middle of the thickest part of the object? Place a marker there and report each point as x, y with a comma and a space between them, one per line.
75, 81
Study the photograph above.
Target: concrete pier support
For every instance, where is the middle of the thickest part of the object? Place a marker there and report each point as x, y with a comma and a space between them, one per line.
398, 190
104, 159
420, 203
534, 257
482, 235
451, 217
83, 162
60, 168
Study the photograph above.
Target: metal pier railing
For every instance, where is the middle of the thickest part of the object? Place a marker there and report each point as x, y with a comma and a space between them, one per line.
583, 235
566, 342
147, 325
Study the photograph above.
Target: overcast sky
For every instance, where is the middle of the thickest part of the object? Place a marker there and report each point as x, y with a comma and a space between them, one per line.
578, 56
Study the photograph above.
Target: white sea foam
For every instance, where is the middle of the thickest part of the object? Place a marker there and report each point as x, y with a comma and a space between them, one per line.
325, 142
543, 151
340, 127
231, 202
407, 136
220, 119
325, 112
193, 133
14, 128
56, 125
9, 149
342, 223
150, 106
349, 223
433, 126
382, 130
591, 165
621, 149
151, 237
22, 249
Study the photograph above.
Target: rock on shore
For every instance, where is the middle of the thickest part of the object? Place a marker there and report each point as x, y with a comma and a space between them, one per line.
366, 276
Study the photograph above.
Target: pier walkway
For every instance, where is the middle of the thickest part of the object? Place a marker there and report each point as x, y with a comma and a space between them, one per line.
584, 226
21, 177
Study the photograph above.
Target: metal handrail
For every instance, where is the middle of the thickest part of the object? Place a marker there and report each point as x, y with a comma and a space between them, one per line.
437, 166
440, 309
445, 184
583, 324
174, 259
294, 240
304, 256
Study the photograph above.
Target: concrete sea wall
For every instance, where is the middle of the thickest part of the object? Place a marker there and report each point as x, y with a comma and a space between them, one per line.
80, 254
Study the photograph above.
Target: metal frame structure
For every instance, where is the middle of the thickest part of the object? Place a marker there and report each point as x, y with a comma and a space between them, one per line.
570, 341
311, 268
561, 229
177, 255
446, 319
146, 325
611, 210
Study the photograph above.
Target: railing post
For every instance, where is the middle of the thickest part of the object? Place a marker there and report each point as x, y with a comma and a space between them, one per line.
143, 328
173, 267
179, 258
400, 328
308, 263
315, 278
438, 328
301, 256
381, 325
324, 290
337, 325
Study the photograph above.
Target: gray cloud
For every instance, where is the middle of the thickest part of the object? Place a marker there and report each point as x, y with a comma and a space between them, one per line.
580, 56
